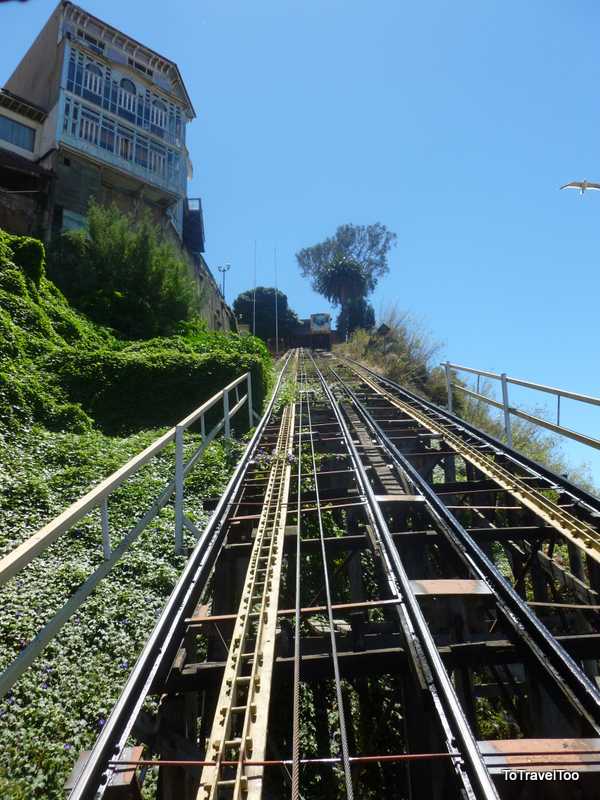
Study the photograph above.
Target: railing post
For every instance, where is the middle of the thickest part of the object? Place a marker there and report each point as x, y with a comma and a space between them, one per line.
249, 393
507, 428
226, 420
558, 409
178, 489
449, 385
105, 529
202, 427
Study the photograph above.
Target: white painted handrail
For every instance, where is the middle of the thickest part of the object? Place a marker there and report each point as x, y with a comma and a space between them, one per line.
540, 387
29, 549
98, 497
510, 410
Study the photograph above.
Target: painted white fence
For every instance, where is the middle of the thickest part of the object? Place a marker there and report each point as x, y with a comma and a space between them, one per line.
98, 497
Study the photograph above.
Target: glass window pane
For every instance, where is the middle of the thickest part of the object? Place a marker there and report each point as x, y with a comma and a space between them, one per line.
16, 133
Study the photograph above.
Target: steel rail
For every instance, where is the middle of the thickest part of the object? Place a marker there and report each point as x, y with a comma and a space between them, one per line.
162, 644
551, 656
297, 613
246, 697
334, 652
585, 499
577, 531
474, 775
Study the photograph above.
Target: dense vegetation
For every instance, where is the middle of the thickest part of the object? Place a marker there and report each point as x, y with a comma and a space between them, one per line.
257, 306
65, 372
58, 707
123, 273
68, 386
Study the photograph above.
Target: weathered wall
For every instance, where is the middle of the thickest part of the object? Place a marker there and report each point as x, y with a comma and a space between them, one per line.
81, 180
19, 213
37, 76
77, 181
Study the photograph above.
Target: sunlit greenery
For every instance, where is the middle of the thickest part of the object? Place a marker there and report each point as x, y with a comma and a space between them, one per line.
125, 274
66, 383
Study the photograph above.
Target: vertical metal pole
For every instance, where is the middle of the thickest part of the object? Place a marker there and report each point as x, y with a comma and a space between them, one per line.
105, 529
202, 427
507, 428
178, 489
558, 409
276, 311
249, 401
254, 298
449, 385
226, 413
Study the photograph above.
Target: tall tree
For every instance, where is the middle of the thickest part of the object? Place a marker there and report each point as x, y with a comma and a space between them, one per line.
346, 267
265, 312
125, 274
357, 314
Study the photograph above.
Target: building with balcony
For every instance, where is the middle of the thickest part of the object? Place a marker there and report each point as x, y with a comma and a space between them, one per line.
99, 115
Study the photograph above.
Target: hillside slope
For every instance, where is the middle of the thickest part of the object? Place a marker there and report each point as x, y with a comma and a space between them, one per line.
76, 402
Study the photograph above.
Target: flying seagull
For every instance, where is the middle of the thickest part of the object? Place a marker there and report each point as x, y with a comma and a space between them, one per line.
581, 185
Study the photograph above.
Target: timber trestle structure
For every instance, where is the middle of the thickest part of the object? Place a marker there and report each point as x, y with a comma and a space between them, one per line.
385, 602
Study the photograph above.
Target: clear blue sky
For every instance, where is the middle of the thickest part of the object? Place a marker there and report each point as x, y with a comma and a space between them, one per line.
452, 123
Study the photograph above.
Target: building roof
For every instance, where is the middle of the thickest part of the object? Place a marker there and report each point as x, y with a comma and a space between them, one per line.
21, 106
151, 54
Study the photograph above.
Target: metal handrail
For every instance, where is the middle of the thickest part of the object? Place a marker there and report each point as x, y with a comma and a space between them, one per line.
511, 410
29, 549
541, 387
22, 555
160, 648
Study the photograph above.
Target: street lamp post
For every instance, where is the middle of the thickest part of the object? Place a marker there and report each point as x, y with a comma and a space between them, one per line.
223, 270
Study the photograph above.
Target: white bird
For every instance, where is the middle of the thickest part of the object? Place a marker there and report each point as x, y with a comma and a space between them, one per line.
581, 185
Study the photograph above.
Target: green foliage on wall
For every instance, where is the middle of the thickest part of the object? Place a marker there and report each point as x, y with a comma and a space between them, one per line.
124, 391
60, 369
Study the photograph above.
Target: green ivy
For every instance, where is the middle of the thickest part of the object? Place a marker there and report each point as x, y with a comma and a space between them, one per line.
61, 369
59, 705
66, 383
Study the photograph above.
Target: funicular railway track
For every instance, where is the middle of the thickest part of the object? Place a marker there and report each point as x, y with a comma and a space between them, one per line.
386, 601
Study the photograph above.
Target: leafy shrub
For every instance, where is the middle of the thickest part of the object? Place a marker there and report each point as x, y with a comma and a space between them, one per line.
126, 391
58, 368
28, 254
258, 306
123, 274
